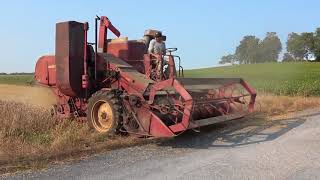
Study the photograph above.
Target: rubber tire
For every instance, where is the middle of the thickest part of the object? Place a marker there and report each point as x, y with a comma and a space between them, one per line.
113, 100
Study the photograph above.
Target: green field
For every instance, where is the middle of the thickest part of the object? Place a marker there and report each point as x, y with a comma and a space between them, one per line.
302, 79
278, 78
16, 79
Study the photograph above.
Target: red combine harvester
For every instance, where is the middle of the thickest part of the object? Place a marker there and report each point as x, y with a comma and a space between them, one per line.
114, 86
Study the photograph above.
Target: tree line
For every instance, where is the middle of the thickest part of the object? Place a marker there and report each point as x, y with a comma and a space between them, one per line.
299, 47
16, 73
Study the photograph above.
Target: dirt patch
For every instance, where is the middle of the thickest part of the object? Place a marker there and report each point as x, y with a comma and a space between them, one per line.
35, 95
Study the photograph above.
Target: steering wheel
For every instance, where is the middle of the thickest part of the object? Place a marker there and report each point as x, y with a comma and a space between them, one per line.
170, 50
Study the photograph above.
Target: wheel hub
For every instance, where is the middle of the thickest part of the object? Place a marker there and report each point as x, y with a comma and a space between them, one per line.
104, 116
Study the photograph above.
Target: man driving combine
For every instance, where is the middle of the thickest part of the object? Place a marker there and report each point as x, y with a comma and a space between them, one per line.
158, 48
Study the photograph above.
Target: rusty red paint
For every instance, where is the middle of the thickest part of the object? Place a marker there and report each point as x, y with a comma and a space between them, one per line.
45, 71
158, 129
70, 37
105, 24
68, 74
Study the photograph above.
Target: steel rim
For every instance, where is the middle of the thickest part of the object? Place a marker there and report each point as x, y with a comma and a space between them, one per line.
102, 116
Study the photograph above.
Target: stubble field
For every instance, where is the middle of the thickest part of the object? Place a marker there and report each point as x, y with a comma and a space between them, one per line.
31, 138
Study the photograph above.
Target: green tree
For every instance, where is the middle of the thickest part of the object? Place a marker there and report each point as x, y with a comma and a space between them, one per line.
295, 46
301, 46
308, 44
230, 58
270, 48
316, 44
287, 57
248, 50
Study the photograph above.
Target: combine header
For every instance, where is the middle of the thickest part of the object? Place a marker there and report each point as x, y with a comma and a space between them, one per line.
115, 87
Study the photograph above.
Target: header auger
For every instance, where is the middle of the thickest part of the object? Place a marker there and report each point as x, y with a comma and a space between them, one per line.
112, 85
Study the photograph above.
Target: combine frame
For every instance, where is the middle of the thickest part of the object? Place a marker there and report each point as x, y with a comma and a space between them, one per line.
114, 90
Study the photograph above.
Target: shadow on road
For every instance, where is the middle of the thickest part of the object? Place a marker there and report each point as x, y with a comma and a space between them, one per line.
234, 133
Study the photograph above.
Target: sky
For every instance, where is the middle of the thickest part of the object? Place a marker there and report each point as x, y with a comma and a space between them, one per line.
202, 30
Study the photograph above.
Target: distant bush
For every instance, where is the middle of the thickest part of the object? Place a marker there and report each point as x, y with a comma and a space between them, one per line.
21, 73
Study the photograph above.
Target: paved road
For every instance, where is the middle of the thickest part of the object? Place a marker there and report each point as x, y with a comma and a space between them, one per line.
243, 149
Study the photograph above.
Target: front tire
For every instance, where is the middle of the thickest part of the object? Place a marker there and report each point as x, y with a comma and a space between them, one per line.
104, 112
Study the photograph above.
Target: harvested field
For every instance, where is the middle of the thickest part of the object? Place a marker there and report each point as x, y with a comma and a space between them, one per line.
35, 95
272, 105
31, 138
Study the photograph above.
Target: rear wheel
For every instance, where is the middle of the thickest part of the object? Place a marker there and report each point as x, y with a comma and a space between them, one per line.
104, 112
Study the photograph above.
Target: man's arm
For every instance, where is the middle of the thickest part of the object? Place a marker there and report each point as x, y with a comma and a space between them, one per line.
151, 46
164, 49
